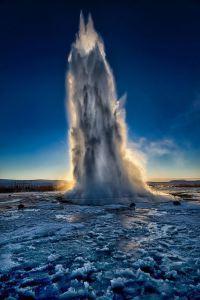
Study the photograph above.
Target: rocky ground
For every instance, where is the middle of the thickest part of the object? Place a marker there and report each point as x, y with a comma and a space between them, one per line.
50, 250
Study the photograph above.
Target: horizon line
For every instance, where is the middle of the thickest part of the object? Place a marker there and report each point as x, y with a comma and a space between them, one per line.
160, 179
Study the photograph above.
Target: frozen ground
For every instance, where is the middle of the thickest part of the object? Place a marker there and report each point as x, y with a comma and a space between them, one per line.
55, 251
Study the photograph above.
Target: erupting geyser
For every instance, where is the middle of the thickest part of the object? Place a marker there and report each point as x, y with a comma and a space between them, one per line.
104, 170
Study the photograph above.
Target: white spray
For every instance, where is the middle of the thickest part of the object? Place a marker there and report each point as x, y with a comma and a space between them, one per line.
104, 169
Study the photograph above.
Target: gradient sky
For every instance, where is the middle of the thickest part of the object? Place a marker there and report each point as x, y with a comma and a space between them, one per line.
153, 48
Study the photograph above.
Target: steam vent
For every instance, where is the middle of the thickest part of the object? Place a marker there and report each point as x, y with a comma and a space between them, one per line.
104, 168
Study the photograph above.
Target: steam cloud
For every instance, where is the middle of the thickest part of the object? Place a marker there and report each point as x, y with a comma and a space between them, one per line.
104, 169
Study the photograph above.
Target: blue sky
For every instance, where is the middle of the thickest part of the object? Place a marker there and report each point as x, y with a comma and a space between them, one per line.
153, 48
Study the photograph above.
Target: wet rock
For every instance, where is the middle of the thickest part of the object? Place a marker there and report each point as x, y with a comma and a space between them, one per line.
117, 285
20, 206
176, 202
171, 275
132, 205
28, 268
59, 198
26, 295
8, 207
4, 277
150, 289
35, 282
147, 269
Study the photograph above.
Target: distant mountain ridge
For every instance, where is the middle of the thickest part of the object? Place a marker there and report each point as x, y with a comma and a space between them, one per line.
20, 185
40, 182
176, 183
15, 185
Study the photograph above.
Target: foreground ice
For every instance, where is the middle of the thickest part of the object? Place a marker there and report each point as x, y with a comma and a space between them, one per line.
55, 251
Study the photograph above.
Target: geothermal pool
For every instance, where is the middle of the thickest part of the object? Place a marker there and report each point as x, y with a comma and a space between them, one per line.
58, 251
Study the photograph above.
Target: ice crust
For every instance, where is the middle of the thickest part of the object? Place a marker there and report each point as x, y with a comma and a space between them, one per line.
55, 251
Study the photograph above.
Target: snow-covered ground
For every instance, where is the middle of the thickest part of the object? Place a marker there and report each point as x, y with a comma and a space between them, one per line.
59, 251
